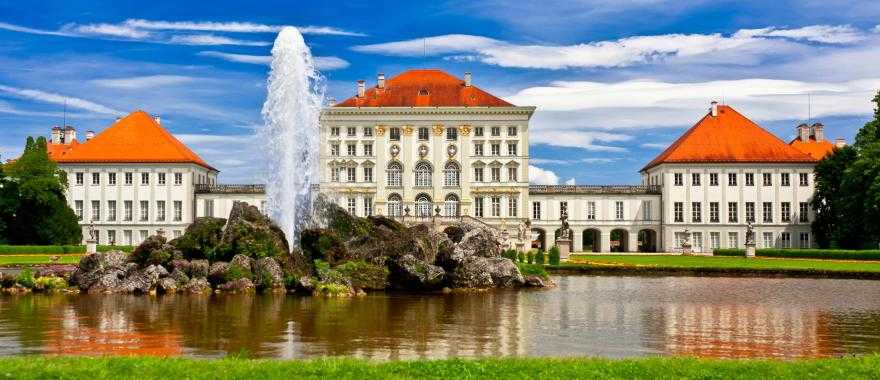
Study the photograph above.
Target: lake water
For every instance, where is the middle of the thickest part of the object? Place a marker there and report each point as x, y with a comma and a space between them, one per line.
584, 315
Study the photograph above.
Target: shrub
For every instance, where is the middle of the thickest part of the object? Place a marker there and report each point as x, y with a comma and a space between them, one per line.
332, 289
7, 280
728, 252
521, 257
236, 272
49, 283
510, 254
26, 278
291, 282
825, 254
530, 257
364, 275
539, 257
533, 270
554, 255
201, 239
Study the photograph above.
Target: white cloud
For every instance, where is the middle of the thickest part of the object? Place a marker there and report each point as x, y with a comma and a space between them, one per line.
234, 27
655, 145
570, 182
143, 81
211, 39
827, 34
213, 139
591, 160
108, 30
330, 63
437, 45
24, 29
322, 63
70, 101
538, 176
549, 135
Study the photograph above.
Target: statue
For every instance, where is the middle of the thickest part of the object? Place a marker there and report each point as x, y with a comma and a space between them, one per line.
564, 234
523, 230
93, 234
750, 233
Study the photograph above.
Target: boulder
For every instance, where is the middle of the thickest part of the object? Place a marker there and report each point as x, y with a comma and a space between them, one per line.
267, 273
472, 272
535, 282
198, 285
106, 281
103, 269
180, 265
240, 285
217, 272
179, 277
201, 239
305, 284
408, 272
252, 234
167, 285
504, 272
243, 262
143, 281
199, 268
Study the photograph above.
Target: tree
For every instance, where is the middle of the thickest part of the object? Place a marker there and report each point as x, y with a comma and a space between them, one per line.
32, 201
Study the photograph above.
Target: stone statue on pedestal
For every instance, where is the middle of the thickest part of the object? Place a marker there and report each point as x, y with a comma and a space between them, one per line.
565, 233
750, 233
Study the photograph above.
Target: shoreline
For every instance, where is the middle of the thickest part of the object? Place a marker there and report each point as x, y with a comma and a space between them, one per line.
654, 271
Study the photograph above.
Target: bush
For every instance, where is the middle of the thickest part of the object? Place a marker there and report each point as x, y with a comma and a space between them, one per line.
26, 278
521, 257
728, 252
49, 283
7, 280
332, 289
794, 253
533, 270
510, 254
236, 272
364, 275
554, 255
530, 257
539, 257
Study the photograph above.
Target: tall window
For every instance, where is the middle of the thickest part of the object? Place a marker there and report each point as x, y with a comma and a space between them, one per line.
394, 205
732, 212
785, 239
368, 150
96, 179
423, 174
352, 205
334, 131
511, 149
496, 131
696, 212
96, 210
805, 240
451, 174
512, 174
111, 179
496, 206
679, 179
452, 134
732, 239
768, 240
478, 131
713, 179
423, 205
450, 205
496, 149
178, 211
804, 179
334, 174
351, 149
591, 210
496, 174
784, 179
111, 211
804, 212
145, 211
423, 133
478, 174
750, 212
368, 206
714, 240
768, 212
161, 179
145, 179
511, 131
786, 212
127, 213
646, 210
678, 210
394, 174
563, 208
478, 207
768, 179
334, 150
350, 174
714, 212
512, 207
478, 149
536, 210
731, 179
695, 179
394, 134
750, 179
80, 179
129, 178
368, 131
618, 210
178, 179
368, 174
160, 210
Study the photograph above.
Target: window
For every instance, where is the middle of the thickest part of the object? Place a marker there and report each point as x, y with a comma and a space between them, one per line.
126, 235
478, 149
750, 212
563, 208
680, 238
511, 174
78, 209
678, 210
478, 174
368, 150
423, 174
352, 205
591, 210
695, 179
129, 179
713, 179
452, 134
496, 174
536, 210
368, 206
423, 205
368, 131
96, 179
368, 174
804, 212
804, 179
679, 179
768, 212
768, 240
496, 149
785, 239
424, 133
696, 212
511, 149
394, 205
732, 239
784, 179
714, 216
646, 210
79, 179
478, 131
732, 212
731, 179
160, 209
178, 233
111, 179
394, 174
512, 207
618, 210
161, 179
496, 131
450, 205
351, 131
111, 237
111, 211
478, 207
768, 179
511, 131
143, 234
786, 212
334, 131
715, 240
145, 211
334, 150
351, 149
127, 213
750, 179
351, 175
496, 206
394, 134
145, 179
334, 174
178, 179
451, 175
805, 240
697, 238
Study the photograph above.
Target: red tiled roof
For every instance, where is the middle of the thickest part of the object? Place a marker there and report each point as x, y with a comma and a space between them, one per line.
729, 137
136, 138
56, 150
425, 88
816, 149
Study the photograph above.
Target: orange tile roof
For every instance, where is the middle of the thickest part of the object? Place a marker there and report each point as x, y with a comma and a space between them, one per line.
425, 88
729, 137
136, 138
56, 150
816, 149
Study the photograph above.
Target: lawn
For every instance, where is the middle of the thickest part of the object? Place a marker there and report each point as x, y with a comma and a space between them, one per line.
710, 262
510, 368
9, 260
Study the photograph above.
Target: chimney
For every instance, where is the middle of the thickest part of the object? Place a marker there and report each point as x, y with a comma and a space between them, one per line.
90, 135
381, 80
69, 135
467, 79
331, 101
803, 132
839, 143
361, 88
158, 119
56, 135
714, 108
819, 132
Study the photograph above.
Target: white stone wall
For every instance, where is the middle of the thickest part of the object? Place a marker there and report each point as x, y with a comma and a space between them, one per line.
220, 205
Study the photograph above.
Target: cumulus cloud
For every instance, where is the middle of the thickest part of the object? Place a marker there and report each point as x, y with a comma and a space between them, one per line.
827, 34
107, 30
655, 145
570, 182
538, 176
591, 160
233, 27
322, 63
211, 39
547, 134
143, 81
69, 101
330, 63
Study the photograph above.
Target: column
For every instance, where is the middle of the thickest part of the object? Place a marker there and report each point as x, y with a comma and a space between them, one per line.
632, 244
577, 240
605, 241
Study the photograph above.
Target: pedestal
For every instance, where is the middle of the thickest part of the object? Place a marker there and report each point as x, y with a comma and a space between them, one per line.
520, 247
687, 250
564, 246
91, 246
750, 250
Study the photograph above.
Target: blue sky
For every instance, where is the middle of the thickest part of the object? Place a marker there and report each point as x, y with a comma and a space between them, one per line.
614, 81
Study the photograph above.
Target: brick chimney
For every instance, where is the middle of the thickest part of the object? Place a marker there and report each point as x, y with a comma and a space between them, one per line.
839, 143
158, 119
90, 135
819, 132
361, 88
69, 135
467, 79
714, 108
56, 135
803, 132
381, 81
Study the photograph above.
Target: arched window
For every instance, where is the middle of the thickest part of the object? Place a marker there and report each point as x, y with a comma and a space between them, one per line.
423, 174
450, 205
451, 174
394, 203
423, 205
394, 174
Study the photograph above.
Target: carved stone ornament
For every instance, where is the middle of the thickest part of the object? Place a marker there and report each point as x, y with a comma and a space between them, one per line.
438, 130
407, 130
395, 150
464, 130
451, 150
380, 130
423, 150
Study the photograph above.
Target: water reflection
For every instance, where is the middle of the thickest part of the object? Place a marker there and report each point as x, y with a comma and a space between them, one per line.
607, 316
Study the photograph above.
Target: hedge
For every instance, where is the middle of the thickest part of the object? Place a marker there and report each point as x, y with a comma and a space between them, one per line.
56, 249
830, 254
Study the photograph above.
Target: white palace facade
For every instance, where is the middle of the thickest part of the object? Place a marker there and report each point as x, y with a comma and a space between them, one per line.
425, 146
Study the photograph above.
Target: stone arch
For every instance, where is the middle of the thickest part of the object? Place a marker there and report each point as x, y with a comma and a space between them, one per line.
619, 240
591, 240
647, 240
538, 238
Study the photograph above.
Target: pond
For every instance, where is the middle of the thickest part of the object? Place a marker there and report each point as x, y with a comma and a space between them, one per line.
584, 315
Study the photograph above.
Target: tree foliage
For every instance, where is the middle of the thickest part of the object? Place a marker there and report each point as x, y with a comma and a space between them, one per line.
847, 199
33, 208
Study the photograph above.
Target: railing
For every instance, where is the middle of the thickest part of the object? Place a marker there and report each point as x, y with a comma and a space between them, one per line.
594, 189
229, 189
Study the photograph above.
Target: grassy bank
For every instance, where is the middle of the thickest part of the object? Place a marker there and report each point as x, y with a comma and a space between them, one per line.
57, 249
526, 368
823, 254
17, 260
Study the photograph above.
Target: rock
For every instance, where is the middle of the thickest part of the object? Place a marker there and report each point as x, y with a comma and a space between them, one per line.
268, 274
243, 262
179, 277
96, 261
103, 269
504, 272
143, 281
180, 265
107, 281
305, 284
217, 272
199, 268
240, 285
535, 282
408, 272
472, 272
201, 239
363, 275
167, 285
249, 232
198, 285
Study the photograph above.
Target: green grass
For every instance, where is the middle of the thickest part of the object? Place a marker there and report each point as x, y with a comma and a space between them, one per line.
56, 249
513, 368
710, 262
824, 254
8, 260
532, 270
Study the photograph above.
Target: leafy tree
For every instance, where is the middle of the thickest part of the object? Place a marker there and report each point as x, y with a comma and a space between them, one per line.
32, 201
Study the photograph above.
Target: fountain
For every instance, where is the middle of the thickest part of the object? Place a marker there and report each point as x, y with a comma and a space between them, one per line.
290, 132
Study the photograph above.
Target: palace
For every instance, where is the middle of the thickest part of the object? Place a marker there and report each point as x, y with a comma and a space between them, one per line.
425, 146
